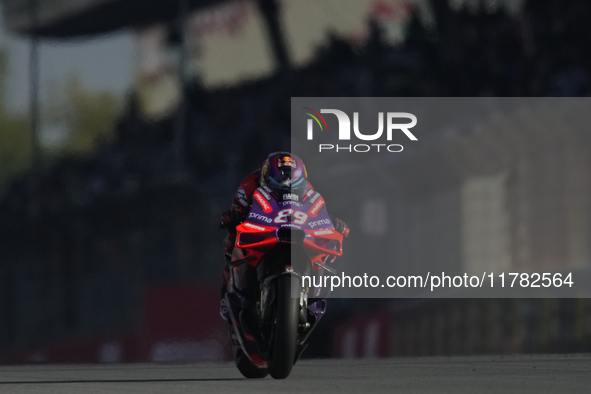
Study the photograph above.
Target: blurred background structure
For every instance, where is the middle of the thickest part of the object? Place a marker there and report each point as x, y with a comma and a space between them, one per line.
125, 127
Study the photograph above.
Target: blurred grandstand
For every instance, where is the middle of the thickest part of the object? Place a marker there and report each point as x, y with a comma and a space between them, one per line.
81, 239
540, 52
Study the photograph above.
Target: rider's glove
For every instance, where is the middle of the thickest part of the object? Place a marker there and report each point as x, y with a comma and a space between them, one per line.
341, 227
232, 218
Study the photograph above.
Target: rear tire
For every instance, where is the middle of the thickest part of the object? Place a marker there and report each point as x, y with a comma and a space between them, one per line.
247, 368
287, 313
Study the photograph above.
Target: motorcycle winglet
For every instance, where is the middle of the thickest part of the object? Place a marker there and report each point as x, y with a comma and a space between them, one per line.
245, 260
312, 246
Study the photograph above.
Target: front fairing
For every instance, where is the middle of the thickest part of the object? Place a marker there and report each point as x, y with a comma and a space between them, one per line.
305, 223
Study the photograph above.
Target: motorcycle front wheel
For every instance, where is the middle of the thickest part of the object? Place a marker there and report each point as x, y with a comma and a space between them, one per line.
285, 332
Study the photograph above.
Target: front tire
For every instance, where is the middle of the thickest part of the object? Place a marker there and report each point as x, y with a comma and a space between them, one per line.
287, 312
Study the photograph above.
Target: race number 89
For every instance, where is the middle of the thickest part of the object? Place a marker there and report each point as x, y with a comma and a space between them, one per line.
284, 215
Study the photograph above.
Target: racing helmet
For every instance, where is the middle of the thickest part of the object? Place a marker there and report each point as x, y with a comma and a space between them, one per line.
285, 174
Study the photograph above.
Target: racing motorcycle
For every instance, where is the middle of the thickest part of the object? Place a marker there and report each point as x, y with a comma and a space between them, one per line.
271, 314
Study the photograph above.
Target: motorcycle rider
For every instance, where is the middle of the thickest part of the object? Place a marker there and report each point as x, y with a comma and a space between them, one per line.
282, 173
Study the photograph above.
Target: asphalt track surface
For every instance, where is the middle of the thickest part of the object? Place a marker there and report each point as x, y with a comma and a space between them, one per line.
484, 374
